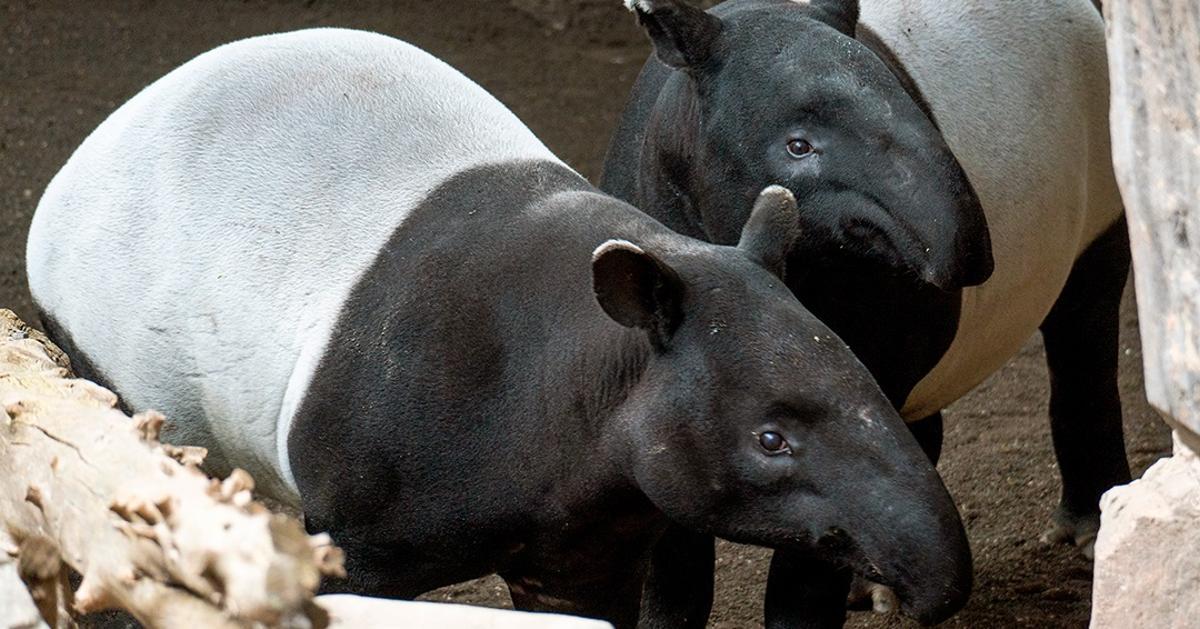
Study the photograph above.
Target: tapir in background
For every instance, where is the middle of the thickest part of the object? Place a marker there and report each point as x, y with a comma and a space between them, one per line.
341, 265
951, 159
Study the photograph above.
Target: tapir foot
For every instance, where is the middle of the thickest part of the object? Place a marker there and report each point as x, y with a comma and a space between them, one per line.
1078, 530
868, 595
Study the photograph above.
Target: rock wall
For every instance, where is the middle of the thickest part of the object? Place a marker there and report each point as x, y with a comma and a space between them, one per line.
1147, 570
1154, 64
1147, 565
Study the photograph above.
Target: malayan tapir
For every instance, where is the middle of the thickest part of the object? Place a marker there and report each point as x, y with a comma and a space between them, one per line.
932, 145
343, 266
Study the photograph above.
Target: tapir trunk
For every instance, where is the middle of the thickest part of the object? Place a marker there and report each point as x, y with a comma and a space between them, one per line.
920, 550
916, 191
948, 229
911, 209
904, 531
871, 501
898, 195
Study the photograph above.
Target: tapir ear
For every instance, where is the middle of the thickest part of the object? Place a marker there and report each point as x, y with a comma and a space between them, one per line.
637, 289
684, 36
842, 14
772, 229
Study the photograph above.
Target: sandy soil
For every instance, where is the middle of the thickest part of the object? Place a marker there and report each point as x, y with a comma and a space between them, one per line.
64, 66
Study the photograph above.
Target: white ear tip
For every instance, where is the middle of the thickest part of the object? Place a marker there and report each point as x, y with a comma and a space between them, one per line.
638, 5
614, 244
777, 190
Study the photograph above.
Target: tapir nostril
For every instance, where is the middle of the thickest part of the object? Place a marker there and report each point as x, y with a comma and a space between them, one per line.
837, 545
869, 237
834, 538
863, 230
901, 247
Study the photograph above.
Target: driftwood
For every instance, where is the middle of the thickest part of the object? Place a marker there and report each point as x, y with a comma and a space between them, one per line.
84, 486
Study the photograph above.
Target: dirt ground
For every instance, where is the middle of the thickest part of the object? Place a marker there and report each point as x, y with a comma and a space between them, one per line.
64, 66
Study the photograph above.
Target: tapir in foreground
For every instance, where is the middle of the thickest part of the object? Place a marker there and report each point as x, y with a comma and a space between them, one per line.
341, 265
952, 161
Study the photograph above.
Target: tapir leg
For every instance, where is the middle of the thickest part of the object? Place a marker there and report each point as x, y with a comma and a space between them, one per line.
805, 593
679, 587
373, 572
1085, 407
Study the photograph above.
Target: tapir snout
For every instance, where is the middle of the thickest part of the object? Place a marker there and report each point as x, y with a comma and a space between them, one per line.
894, 522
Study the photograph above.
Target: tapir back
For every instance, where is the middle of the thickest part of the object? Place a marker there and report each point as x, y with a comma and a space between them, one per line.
223, 214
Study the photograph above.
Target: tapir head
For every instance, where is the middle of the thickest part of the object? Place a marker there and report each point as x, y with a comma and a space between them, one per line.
754, 422
780, 92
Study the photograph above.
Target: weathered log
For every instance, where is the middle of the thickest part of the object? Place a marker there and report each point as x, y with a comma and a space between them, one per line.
83, 485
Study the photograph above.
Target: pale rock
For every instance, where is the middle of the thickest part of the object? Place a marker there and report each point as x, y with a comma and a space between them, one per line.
1147, 571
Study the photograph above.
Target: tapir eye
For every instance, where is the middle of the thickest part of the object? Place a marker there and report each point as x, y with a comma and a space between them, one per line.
774, 443
799, 147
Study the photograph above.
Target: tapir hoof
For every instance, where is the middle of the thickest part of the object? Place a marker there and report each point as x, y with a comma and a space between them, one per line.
867, 595
1078, 530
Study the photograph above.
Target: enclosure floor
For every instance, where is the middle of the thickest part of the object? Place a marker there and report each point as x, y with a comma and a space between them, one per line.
64, 66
